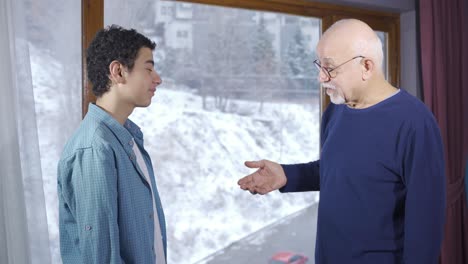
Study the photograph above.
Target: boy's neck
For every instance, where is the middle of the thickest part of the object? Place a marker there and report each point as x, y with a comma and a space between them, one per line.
117, 109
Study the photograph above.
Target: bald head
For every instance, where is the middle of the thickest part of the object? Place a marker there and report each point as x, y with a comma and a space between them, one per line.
349, 38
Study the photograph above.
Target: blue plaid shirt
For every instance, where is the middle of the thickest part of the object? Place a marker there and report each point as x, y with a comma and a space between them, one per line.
105, 204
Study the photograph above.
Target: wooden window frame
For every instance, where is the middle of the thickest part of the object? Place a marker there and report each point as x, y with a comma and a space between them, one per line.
93, 20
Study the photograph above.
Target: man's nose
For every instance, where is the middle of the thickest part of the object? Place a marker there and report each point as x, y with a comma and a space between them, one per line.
322, 76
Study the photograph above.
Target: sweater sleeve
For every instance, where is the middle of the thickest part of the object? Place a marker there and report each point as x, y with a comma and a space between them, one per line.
424, 178
302, 177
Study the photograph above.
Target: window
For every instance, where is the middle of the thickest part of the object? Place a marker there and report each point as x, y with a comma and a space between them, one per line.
384, 37
224, 101
182, 34
290, 20
166, 10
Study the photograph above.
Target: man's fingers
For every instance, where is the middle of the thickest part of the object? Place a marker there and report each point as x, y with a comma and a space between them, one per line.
255, 182
255, 164
245, 181
252, 189
262, 190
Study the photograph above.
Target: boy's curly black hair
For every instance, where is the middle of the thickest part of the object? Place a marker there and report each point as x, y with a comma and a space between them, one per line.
109, 44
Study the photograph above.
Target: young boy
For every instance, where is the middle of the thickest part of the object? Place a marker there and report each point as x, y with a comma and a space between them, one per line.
109, 206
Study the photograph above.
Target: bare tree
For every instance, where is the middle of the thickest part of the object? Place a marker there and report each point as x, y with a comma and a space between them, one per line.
223, 54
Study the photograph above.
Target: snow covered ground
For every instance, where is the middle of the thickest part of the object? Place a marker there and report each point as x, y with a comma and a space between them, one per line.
198, 157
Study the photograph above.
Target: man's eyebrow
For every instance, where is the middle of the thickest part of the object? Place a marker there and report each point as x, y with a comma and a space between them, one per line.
150, 62
327, 60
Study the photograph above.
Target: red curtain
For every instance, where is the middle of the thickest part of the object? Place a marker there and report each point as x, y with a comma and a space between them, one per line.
443, 29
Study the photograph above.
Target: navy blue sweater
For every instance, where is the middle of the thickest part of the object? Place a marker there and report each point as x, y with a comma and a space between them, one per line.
381, 182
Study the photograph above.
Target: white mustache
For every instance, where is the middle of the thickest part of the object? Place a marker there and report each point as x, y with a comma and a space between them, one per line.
327, 85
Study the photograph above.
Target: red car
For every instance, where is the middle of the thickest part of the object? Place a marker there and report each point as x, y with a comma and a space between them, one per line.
288, 258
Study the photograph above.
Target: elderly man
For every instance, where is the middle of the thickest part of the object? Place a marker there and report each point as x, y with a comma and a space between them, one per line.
381, 168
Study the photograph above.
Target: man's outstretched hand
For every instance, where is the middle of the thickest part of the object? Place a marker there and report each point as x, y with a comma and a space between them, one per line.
269, 177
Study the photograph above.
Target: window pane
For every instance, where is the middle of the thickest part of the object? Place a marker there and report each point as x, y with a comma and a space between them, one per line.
384, 38
237, 85
55, 51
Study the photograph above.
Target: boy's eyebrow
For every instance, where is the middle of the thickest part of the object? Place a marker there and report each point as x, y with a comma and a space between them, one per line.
150, 62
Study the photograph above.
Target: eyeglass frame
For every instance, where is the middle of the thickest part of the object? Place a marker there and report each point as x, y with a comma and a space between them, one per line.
329, 70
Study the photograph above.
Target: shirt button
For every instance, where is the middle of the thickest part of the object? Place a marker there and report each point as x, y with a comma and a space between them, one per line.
130, 143
88, 228
131, 157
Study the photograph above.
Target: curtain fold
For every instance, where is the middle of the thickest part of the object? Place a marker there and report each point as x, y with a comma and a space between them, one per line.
23, 220
444, 64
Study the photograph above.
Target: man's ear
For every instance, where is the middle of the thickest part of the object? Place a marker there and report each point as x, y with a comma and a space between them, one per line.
116, 70
367, 68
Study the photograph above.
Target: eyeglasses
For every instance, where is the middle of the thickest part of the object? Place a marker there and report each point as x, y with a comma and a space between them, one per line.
329, 72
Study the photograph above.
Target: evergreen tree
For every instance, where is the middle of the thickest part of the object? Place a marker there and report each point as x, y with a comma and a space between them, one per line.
264, 62
299, 57
263, 53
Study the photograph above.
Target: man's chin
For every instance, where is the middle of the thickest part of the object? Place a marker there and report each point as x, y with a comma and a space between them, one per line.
337, 100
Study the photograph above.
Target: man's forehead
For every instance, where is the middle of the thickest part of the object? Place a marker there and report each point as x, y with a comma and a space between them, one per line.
326, 51
331, 53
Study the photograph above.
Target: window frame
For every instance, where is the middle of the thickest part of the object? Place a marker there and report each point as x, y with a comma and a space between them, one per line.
93, 20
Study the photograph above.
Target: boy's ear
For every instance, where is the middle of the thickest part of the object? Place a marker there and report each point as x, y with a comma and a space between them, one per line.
116, 72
